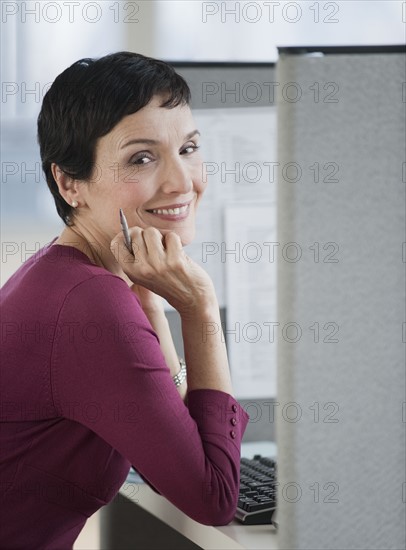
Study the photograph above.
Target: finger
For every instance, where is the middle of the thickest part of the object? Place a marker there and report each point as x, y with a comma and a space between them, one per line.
172, 242
137, 243
154, 242
120, 250
174, 248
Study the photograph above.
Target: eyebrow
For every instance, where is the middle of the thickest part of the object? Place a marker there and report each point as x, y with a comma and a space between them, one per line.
154, 141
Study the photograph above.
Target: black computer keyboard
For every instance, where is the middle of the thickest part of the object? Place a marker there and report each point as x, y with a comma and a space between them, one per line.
257, 498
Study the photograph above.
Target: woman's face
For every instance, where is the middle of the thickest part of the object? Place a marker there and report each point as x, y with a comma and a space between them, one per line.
149, 166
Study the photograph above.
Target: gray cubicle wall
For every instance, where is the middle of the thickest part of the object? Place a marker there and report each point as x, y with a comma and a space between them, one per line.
232, 85
341, 441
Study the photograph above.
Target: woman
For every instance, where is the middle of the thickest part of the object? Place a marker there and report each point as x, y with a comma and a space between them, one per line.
91, 381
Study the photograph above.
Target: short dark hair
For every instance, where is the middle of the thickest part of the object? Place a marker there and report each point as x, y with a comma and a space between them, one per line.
87, 100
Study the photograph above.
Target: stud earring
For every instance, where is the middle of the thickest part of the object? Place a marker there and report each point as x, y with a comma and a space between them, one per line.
74, 204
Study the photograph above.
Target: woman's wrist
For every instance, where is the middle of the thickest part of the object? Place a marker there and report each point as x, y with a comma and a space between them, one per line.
204, 306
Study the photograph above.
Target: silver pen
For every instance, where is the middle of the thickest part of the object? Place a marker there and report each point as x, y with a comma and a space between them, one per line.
124, 227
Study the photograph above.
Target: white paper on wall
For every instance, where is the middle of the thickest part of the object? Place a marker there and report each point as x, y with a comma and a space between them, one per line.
250, 289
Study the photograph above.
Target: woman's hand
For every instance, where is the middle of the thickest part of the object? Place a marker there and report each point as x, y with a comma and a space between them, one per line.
160, 265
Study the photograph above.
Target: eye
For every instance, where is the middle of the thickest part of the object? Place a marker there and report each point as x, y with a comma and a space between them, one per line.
189, 149
141, 158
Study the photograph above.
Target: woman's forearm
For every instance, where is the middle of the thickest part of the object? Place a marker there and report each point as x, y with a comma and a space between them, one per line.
205, 350
160, 325
152, 306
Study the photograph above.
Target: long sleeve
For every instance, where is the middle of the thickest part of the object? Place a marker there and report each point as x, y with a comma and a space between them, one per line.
108, 373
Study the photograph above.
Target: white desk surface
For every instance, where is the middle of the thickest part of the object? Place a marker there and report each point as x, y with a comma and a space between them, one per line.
234, 536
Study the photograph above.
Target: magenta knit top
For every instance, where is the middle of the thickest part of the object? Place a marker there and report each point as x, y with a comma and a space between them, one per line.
85, 394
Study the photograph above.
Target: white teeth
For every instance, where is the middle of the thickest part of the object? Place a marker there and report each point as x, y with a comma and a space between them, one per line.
171, 211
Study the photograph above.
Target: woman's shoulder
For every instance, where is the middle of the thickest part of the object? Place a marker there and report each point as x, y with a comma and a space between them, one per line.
56, 271
72, 264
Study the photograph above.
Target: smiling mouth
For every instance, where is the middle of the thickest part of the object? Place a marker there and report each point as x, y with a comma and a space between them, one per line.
174, 212
178, 210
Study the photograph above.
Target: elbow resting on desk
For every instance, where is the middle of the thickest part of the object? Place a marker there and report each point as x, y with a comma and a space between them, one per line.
219, 501
217, 516
216, 505
203, 481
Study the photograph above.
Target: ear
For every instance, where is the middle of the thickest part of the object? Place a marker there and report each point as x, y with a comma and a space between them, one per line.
68, 186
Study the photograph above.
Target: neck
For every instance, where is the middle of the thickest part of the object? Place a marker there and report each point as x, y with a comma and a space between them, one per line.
98, 252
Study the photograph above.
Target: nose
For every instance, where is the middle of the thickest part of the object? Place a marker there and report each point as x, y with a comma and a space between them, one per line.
176, 177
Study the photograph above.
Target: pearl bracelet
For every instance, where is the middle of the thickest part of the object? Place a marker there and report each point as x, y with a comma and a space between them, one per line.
181, 376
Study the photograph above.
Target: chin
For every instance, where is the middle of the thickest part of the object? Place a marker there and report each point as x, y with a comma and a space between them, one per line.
186, 237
